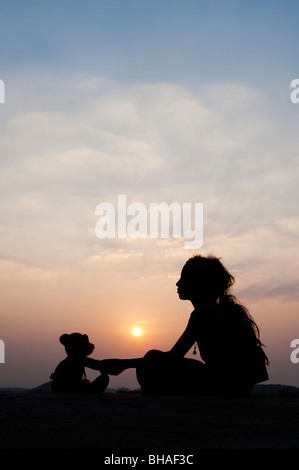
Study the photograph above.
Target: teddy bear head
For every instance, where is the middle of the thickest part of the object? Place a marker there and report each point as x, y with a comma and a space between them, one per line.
76, 344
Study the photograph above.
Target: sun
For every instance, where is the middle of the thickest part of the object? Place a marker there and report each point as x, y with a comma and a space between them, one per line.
136, 332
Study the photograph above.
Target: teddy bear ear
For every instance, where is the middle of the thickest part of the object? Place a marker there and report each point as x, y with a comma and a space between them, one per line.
63, 339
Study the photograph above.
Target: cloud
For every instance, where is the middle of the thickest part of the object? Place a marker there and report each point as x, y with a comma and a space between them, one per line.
11, 270
70, 143
288, 292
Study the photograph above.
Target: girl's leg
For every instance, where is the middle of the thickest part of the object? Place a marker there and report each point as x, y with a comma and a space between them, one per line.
160, 374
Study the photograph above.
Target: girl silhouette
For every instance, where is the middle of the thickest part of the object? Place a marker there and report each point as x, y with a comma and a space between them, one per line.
220, 327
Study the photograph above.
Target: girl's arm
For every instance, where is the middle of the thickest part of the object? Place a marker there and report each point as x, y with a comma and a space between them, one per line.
184, 343
111, 366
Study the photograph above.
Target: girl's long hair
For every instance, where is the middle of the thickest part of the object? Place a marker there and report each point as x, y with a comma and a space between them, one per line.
215, 282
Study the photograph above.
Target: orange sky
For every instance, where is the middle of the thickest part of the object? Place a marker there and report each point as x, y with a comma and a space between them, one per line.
106, 304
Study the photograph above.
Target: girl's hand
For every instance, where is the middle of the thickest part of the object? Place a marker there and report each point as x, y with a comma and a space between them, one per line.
112, 366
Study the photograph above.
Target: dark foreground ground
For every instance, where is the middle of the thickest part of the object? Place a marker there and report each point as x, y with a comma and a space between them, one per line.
39, 419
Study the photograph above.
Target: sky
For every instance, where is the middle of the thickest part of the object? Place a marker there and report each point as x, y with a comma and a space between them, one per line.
174, 101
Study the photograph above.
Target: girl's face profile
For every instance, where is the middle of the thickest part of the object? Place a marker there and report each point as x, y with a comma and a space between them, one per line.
185, 286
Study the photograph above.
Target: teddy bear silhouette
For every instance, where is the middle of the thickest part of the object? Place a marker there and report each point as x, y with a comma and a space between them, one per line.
69, 375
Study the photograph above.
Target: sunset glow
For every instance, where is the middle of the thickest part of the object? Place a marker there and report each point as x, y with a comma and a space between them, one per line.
136, 332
